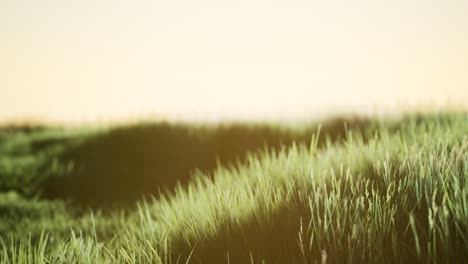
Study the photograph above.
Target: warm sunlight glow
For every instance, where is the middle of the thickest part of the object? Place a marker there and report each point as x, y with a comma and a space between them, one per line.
210, 59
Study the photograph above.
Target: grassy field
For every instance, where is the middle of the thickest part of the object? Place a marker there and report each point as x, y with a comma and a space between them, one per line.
350, 190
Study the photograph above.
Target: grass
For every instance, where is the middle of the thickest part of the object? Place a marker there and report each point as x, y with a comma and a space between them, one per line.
369, 192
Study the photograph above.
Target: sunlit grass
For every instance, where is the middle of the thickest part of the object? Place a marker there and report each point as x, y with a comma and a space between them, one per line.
398, 195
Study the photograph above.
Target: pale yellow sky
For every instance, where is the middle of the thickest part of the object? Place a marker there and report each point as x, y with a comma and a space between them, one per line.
91, 60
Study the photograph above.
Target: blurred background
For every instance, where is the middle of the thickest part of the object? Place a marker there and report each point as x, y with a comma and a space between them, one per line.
208, 60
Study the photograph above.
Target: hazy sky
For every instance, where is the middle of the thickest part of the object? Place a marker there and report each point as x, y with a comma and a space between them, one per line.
209, 59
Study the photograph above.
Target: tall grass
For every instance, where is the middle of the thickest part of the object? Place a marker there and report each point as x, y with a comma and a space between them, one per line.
400, 196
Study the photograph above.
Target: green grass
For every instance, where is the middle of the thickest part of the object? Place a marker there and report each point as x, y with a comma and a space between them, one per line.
377, 192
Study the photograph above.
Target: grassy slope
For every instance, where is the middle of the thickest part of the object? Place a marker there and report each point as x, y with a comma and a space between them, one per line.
398, 196
108, 168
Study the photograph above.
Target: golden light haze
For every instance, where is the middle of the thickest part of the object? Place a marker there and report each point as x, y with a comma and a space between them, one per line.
72, 61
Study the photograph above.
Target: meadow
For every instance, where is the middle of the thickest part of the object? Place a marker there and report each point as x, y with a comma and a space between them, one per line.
343, 190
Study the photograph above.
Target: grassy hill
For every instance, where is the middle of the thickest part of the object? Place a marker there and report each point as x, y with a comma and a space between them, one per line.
347, 191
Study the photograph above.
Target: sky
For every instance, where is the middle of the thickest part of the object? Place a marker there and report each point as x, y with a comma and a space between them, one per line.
95, 60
